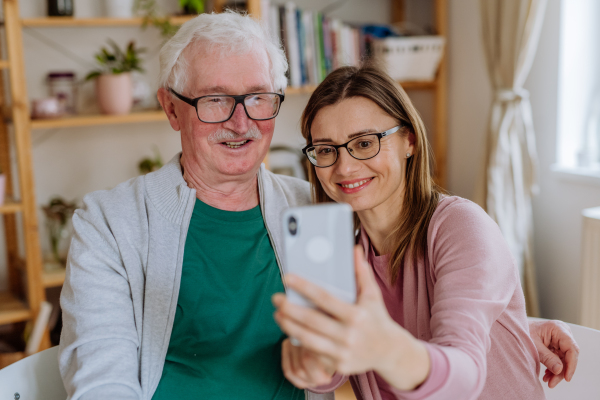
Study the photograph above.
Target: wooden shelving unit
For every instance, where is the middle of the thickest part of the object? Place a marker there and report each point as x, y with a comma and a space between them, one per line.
25, 292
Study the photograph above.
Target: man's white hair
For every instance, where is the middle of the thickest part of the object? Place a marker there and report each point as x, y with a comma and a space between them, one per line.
232, 34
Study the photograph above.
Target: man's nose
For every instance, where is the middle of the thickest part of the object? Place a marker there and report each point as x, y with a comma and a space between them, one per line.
239, 121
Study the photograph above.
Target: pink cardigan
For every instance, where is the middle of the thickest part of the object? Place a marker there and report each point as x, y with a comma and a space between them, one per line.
465, 301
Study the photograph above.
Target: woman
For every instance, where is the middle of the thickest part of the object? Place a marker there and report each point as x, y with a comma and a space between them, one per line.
441, 314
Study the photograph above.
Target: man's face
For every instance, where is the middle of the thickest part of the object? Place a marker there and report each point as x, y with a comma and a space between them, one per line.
215, 148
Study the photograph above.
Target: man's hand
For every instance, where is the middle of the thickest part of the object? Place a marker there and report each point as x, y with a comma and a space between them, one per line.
557, 350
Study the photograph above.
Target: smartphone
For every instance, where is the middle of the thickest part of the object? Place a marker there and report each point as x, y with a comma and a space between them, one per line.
319, 247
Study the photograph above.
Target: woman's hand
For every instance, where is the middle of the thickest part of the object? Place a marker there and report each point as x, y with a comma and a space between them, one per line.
557, 350
303, 368
354, 337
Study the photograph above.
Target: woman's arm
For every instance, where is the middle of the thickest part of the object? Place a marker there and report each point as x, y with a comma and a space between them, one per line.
355, 337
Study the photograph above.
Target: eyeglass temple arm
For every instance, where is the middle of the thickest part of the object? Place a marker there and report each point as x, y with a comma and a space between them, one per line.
390, 131
182, 98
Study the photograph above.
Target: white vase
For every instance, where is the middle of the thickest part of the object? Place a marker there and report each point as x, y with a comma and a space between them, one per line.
118, 8
2, 188
114, 93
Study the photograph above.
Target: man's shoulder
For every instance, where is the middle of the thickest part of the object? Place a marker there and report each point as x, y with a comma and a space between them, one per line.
123, 199
297, 191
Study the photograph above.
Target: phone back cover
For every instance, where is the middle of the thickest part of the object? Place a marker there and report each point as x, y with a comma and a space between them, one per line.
322, 249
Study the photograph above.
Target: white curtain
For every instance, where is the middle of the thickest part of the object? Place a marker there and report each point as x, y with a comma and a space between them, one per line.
511, 30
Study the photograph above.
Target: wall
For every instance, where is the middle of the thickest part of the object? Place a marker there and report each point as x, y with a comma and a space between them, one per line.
557, 209
72, 162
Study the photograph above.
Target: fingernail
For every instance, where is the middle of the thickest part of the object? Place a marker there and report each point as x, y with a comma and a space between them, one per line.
556, 368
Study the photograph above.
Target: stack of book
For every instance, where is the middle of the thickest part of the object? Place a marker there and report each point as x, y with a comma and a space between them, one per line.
314, 44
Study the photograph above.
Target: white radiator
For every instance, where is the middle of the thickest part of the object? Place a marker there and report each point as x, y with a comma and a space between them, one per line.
590, 269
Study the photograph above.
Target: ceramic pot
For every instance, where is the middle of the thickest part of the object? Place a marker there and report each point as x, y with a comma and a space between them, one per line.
118, 8
114, 93
2, 188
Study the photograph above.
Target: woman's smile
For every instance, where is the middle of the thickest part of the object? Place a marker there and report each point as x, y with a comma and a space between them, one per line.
355, 185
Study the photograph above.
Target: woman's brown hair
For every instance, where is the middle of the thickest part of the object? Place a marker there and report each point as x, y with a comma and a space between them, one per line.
421, 194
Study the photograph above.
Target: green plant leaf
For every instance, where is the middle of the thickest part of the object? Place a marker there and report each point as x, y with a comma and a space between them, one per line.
93, 75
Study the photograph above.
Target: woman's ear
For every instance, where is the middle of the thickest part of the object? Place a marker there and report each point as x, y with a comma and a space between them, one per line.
411, 138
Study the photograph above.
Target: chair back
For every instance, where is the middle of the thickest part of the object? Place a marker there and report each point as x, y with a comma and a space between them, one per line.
34, 378
585, 384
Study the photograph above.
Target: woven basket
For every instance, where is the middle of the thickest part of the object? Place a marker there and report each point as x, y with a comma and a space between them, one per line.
415, 58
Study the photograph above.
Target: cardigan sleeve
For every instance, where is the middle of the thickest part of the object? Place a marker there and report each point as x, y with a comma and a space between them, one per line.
98, 354
474, 278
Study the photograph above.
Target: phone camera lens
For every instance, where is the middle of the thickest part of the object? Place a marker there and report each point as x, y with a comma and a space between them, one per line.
292, 226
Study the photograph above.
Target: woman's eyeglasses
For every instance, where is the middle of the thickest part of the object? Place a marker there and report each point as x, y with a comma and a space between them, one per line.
362, 148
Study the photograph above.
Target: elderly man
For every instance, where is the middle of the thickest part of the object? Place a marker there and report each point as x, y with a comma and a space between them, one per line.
170, 275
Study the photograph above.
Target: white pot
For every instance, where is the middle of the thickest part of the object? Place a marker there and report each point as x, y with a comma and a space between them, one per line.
2, 188
118, 8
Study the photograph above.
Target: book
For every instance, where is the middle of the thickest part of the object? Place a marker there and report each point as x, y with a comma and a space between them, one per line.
293, 50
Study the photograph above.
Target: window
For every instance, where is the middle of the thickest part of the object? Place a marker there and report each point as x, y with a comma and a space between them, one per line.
578, 147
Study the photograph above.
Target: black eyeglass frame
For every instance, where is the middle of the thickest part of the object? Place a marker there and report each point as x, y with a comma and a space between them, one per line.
345, 145
238, 100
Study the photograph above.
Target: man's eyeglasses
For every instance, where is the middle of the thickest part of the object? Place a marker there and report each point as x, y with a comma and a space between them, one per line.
362, 148
219, 108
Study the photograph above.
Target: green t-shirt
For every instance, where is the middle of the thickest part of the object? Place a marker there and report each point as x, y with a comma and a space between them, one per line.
225, 343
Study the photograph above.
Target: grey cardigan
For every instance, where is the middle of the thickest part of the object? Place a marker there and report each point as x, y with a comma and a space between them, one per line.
123, 274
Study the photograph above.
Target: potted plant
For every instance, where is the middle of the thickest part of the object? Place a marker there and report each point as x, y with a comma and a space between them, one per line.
191, 7
149, 164
2, 186
149, 11
113, 79
58, 215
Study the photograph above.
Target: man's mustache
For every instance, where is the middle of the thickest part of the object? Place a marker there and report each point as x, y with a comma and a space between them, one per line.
223, 135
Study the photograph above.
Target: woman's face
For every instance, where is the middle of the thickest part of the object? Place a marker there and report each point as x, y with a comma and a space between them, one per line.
381, 179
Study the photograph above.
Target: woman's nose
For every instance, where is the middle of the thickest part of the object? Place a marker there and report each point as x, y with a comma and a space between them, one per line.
346, 164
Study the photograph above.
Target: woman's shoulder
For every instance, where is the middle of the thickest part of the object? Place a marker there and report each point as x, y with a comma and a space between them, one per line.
461, 223
457, 212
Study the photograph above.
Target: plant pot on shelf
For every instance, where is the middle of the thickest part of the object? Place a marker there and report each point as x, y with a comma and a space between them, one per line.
114, 93
2, 188
118, 8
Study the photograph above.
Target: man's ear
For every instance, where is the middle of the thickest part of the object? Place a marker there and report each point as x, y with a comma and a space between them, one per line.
166, 101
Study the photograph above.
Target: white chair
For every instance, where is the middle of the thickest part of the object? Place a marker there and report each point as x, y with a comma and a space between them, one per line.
585, 384
33, 378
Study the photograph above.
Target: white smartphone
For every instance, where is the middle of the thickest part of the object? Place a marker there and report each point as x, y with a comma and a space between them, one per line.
319, 247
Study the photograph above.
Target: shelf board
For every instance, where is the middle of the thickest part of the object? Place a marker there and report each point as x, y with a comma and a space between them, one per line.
11, 207
308, 89
52, 22
12, 309
407, 85
91, 120
53, 278
159, 115
418, 85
